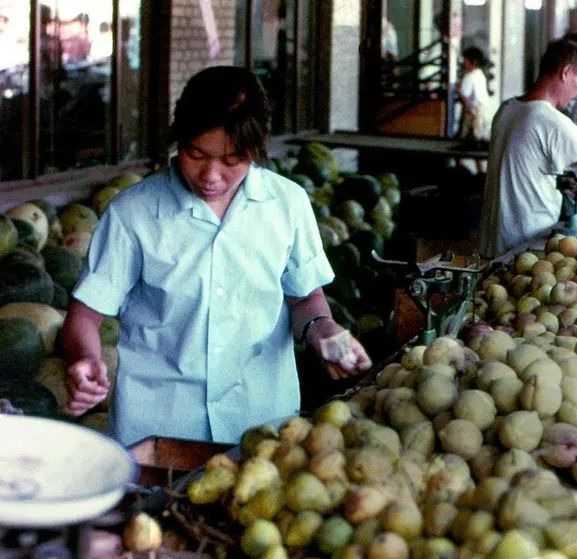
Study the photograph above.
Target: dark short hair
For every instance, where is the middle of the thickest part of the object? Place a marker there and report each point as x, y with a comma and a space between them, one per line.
559, 53
228, 97
475, 55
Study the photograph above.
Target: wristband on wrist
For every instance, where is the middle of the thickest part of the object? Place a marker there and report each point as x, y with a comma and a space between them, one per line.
308, 325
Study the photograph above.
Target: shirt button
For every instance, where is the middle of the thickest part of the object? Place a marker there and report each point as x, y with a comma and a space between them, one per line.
219, 291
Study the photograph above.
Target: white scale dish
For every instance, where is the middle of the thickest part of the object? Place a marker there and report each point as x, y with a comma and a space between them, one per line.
54, 473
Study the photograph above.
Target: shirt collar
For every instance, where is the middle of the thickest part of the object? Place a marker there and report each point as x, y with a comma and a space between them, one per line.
181, 198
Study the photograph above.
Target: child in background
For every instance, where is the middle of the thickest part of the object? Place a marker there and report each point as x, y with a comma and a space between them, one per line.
474, 96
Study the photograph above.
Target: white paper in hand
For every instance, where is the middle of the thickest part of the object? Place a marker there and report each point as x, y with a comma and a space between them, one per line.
337, 348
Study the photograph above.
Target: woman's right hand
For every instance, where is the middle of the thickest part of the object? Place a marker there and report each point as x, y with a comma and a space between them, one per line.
87, 385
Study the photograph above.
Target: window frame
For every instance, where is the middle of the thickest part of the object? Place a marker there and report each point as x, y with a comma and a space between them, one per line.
77, 183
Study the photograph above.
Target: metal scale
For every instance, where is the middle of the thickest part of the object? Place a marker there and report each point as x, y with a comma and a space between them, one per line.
443, 289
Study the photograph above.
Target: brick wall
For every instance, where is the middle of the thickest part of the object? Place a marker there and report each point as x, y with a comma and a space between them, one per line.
189, 45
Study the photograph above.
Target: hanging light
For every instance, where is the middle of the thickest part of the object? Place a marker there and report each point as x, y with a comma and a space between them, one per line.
533, 4
475, 2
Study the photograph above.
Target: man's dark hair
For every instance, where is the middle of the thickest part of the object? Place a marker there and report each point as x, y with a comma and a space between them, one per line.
230, 97
559, 53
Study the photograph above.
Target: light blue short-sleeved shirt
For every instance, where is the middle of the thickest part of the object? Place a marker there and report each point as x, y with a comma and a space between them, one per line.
205, 349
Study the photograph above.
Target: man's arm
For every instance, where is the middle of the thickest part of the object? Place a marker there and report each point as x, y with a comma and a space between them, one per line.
311, 316
86, 381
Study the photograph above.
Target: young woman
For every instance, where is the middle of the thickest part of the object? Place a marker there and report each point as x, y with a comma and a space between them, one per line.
212, 265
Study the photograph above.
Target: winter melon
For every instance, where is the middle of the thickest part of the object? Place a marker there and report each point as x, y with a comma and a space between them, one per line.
21, 348
23, 281
63, 265
8, 235
36, 217
47, 319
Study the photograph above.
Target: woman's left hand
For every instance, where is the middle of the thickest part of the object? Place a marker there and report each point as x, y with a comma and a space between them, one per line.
343, 355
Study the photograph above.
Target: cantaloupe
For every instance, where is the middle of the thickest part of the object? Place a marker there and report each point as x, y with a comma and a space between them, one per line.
47, 319
36, 217
21, 348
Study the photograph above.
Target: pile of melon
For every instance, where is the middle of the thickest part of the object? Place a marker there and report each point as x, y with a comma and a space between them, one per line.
356, 214
42, 251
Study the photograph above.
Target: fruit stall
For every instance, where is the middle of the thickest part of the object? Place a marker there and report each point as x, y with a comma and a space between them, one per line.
461, 442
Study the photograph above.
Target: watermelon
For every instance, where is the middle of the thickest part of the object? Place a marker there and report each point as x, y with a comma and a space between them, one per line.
52, 374
329, 236
345, 259
21, 348
365, 189
8, 235
302, 180
340, 313
367, 241
47, 319
63, 265
24, 254
23, 281
338, 225
30, 396
61, 299
26, 233
317, 162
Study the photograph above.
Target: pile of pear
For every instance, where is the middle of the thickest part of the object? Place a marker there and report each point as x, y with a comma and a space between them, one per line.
450, 453
535, 294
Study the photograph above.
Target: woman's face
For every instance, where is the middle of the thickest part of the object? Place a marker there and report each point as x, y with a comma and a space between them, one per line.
212, 167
